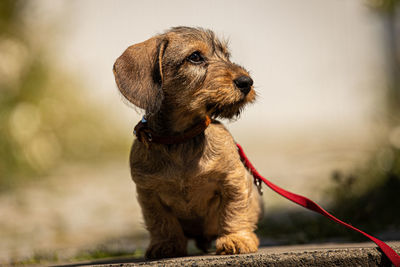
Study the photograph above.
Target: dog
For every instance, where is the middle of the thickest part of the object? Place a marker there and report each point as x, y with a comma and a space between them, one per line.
190, 181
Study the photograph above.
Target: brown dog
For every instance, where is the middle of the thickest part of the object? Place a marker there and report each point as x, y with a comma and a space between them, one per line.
189, 178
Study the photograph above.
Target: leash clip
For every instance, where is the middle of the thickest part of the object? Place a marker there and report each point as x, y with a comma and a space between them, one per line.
258, 184
143, 133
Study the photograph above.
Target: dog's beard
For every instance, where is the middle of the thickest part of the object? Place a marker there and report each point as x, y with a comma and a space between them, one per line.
229, 107
227, 111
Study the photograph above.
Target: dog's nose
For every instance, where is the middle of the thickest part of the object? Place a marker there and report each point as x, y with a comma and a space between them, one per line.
244, 84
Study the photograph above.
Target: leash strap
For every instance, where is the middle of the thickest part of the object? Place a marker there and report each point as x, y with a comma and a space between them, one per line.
311, 205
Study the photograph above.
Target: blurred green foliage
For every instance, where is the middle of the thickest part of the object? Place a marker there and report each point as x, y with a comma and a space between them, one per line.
388, 6
44, 119
371, 198
104, 253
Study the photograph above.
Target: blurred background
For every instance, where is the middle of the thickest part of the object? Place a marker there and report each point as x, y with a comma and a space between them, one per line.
326, 123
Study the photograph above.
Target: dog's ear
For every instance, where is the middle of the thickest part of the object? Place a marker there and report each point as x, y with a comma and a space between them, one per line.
138, 73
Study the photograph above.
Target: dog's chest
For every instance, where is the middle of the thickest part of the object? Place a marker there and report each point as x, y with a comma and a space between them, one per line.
190, 193
188, 180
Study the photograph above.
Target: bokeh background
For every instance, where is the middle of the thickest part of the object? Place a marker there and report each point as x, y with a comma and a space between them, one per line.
326, 123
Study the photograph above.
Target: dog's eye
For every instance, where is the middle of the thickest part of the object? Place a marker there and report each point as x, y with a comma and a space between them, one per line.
195, 58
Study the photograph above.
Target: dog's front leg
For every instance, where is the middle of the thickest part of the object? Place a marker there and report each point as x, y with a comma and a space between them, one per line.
166, 235
239, 214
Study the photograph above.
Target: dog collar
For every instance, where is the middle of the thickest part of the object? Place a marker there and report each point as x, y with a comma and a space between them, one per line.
146, 135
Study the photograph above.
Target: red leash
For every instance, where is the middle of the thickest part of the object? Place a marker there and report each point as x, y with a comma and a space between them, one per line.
311, 205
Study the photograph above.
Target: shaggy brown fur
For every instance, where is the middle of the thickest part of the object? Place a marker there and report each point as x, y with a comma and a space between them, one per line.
199, 188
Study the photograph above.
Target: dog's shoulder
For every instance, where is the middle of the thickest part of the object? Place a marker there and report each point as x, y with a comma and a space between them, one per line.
221, 146
218, 135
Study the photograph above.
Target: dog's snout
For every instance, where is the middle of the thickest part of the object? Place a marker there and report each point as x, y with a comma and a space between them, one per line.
244, 84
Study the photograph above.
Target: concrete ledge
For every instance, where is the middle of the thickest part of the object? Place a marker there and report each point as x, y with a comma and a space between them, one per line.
362, 254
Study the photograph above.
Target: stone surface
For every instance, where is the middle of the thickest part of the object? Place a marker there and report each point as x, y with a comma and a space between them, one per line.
361, 254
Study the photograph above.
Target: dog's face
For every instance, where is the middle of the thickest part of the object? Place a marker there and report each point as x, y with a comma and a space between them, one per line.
186, 71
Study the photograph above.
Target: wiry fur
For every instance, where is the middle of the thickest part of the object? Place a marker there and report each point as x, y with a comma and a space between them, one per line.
197, 189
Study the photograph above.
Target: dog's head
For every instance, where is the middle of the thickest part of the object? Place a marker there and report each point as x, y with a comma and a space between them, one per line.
185, 70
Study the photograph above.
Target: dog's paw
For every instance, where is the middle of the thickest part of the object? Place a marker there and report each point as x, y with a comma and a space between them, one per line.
237, 243
165, 249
